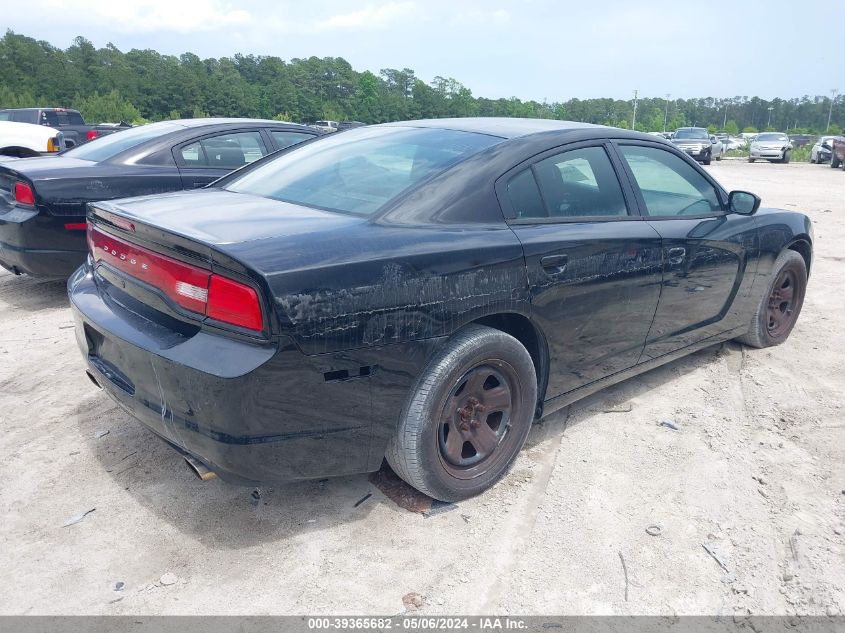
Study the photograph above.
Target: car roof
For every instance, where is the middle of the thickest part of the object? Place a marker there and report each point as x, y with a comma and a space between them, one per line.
60, 109
189, 123
495, 126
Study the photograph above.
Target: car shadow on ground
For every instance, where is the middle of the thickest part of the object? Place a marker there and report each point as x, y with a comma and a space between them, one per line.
225, 516
23, 292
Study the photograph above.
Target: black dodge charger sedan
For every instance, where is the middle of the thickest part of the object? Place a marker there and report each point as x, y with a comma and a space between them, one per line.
42, 200
421, 291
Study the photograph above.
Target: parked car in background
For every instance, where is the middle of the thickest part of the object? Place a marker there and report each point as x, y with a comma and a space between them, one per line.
70, 122
800, 140
696, 142
774, 147
837, 157
822, 150
42, 200
23, 140
349, 125
735, 142
421, 291
326, 126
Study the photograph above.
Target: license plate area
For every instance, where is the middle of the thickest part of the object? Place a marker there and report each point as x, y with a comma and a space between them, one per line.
97, 343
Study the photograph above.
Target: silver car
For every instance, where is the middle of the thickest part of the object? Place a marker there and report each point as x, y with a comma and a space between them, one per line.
771, 146
821, 154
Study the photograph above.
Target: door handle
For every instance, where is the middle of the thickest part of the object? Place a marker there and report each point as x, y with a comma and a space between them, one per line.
676, 255
554, 264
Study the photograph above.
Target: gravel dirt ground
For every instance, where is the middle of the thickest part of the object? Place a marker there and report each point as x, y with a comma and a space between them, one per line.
755, 472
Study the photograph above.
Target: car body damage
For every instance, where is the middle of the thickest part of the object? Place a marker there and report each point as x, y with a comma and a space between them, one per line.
357, 312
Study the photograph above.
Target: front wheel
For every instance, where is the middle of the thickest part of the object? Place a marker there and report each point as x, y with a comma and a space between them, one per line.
467, 417
781, 304
786, 157
751, 160
834, 162
706, 160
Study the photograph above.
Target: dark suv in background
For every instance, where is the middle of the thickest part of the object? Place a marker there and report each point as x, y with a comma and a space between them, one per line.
69, 122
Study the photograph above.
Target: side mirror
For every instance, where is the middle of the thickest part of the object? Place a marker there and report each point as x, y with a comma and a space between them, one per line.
743, 202
713, 140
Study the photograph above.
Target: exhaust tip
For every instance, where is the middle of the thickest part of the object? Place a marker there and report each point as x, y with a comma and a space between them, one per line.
199, 469
93, 379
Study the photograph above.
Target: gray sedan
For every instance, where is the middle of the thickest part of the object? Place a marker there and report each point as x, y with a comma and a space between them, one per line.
771, 146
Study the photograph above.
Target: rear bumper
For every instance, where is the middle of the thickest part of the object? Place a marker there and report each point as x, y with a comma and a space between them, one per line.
253, 413
38, 244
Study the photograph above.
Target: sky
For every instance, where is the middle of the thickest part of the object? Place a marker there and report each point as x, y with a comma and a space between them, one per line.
532, 49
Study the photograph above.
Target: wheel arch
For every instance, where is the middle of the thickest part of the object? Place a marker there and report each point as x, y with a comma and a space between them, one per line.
532, 338
803, 247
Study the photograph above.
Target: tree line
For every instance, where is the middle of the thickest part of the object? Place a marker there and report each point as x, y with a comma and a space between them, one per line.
138, 86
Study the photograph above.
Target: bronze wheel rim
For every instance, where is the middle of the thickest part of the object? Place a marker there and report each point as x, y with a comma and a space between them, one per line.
474, 425
781, 313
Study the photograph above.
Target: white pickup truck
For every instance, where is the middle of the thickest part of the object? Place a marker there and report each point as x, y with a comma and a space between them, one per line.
23, 140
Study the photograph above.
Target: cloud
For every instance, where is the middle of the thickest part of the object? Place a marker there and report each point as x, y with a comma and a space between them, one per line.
146, 16
370, 17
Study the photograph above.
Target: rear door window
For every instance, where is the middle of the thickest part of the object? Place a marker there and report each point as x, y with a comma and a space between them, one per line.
573, 184
48, 117
231, 151
285, 138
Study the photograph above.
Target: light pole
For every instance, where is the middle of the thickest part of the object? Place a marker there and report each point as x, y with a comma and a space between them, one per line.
666, 111
769, 124
833, 93
634, 120
725, 120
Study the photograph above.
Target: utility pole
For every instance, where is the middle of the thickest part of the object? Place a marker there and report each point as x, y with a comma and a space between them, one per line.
833, 93
634, 120
725, 120
769, 124
666, 111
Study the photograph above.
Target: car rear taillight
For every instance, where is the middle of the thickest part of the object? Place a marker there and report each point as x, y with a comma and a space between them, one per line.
24, 194
190, 287
233, 302
92, 134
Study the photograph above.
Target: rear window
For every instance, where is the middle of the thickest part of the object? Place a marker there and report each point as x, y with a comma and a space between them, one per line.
106, 147
361, 170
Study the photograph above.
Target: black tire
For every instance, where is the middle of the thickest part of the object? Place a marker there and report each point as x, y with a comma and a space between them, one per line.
786, 156
751, 160
706, 160
766, 330
812, 160
443, 401
834, 162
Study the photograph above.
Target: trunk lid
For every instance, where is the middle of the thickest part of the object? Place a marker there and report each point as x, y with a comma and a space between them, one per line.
215, 217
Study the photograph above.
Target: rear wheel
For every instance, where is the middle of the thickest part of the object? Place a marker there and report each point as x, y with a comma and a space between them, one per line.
468, 416
781, 304
834, 162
